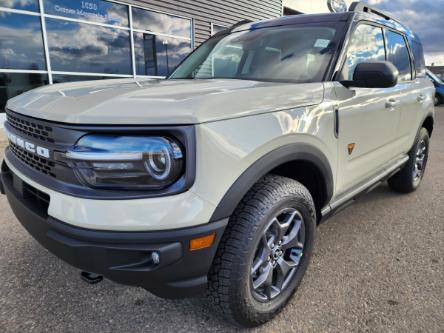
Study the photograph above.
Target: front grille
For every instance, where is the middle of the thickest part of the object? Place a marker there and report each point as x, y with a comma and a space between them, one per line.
38, 198
35, 199
31, 128
34, 161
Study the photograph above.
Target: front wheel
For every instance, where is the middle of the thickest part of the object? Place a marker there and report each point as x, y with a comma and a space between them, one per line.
409, 177
438, 100
264, 252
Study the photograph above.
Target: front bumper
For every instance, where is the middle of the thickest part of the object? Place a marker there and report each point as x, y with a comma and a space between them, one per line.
124, 257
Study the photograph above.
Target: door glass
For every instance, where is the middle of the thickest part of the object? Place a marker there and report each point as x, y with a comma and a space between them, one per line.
418, 54
398, 54
366, 44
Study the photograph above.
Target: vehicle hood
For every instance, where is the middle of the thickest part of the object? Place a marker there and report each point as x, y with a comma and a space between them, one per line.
155, 102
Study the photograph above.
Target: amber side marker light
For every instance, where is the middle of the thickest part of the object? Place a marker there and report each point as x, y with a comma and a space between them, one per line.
202, 242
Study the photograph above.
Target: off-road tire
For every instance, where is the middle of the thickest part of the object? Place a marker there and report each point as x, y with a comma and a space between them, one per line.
229, 278
404, 181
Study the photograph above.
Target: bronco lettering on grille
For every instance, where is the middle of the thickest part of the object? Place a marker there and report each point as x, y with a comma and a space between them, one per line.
26, 145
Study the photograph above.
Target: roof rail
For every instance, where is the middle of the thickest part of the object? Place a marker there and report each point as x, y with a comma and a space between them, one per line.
363, 7
234, 26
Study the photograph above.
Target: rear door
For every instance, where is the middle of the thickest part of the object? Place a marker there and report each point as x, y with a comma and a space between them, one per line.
414, 97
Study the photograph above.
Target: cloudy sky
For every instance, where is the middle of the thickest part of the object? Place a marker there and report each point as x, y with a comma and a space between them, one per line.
426, 18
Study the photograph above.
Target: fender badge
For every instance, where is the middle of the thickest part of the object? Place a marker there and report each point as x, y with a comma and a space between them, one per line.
350, 147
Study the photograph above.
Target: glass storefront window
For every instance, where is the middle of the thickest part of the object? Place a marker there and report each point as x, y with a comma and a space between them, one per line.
161, 23
79, 47
30, 5
21, 42
91, 38
92, 10
58, 78
13, 84
157, 55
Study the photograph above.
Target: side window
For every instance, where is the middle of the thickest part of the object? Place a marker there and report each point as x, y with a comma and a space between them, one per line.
398, 55
366, 44
418, 54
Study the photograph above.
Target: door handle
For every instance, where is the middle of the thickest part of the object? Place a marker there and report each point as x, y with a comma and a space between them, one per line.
391, 103
421, 98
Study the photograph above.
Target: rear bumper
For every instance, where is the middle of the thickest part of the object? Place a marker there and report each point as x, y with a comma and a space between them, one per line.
124, 257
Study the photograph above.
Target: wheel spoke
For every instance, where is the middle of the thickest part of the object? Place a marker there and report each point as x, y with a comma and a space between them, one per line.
284, 266
267, 244
291, 240
258, 263
286, 224
265, 278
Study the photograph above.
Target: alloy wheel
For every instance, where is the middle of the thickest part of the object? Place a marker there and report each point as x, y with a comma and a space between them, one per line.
278, 255
420, 161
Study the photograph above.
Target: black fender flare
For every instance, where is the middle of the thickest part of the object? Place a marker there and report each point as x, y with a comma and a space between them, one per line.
428, 115
268, 162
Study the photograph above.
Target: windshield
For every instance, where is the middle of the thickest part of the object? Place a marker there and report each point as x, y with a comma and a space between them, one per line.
433, 77
293, 53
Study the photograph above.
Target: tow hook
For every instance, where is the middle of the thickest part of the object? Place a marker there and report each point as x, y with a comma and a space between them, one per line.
91, 278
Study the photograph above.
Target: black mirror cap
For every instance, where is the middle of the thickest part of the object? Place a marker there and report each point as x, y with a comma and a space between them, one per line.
378, 74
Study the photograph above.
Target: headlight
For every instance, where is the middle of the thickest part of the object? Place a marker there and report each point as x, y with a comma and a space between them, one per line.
126, 162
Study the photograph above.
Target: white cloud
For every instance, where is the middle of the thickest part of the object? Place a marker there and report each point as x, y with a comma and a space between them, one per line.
435, 58
375, 2
20, 47
15, 3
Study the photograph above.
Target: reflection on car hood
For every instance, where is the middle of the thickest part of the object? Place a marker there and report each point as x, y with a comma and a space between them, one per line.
154, 102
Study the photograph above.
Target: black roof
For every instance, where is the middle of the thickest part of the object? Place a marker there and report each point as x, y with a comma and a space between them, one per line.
327, 17
294, 19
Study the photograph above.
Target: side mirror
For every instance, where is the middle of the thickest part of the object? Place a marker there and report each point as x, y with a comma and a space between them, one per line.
379, 74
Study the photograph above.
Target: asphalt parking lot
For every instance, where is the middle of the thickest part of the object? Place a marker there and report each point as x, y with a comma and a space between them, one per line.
378, 267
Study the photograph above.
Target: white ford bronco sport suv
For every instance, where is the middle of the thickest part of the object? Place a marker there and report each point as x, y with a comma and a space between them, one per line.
215, 178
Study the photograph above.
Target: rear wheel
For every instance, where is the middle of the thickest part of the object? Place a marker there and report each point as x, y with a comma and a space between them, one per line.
409, 177
264, 252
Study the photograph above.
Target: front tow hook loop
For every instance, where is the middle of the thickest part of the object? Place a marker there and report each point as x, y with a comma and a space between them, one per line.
91, 278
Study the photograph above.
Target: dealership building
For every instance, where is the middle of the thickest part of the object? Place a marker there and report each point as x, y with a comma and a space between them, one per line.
52, 41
